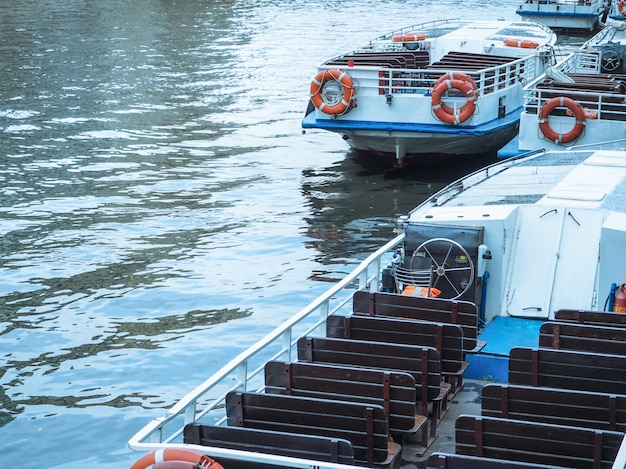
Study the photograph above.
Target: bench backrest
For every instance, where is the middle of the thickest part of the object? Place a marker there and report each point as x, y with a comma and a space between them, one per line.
364, 425
394, 391
568, 369
584, 338
317, 448
599, 318
461, 461
446, 338
558, 406
463, 313
542, 443
423, 363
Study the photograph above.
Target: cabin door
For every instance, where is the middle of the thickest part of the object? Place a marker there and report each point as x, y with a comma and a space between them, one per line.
557, 239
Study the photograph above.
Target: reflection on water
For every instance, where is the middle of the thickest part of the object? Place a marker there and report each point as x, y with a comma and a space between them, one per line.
160, 207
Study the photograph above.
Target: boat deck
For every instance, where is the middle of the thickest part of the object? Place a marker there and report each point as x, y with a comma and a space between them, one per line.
596, 183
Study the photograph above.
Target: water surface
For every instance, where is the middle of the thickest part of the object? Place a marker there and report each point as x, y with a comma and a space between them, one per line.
160, 207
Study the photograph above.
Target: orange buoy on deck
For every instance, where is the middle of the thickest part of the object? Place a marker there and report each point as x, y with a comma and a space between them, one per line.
408, 37
523, 43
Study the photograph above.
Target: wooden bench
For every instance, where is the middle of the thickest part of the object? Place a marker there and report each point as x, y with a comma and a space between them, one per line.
423, 363
364, 425
533, 442
394, 391
599, 318
447, 339
463, 313
558, 406
275, 443
460, 461
568, 369
584, 338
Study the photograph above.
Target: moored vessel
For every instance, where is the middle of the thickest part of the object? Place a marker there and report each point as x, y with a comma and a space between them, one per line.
461, 298
450, 87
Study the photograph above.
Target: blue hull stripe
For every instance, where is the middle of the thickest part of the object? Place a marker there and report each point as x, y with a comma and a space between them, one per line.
350, 125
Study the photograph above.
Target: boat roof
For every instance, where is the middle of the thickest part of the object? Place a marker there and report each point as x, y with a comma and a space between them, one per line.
464, 31
590, 179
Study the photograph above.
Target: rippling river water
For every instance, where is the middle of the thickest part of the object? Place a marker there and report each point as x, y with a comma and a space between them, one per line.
161, 209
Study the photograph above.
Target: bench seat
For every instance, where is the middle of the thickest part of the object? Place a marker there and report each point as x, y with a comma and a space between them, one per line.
316, 448
447, 339
393, 390
463, 313
534, 442
364, 425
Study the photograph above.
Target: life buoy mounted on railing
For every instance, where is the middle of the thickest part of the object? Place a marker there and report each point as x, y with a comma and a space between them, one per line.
523, 43
574, 108
621, 6
456, 76
332, 101
409, 37
446, 113
175, 456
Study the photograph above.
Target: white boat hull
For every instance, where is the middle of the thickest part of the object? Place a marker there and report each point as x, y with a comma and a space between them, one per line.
563, 14
383, 145
459, 92
592, 83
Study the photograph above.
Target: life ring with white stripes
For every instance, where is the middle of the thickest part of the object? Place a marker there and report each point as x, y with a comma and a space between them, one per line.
446, 113
456, 76
176, 455
574, 108
409, 37
523, 43
621, 6
336, 104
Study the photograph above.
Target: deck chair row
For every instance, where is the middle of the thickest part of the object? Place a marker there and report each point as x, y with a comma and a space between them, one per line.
554, 398
397, 386
561, 407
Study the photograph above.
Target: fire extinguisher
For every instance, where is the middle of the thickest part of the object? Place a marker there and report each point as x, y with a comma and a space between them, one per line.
620, 299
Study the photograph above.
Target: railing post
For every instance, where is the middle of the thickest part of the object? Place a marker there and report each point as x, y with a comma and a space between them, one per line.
190, 413
287, 345
242, 375
324, 310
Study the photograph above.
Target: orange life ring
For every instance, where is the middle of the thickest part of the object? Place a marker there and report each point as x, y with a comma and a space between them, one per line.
446, 113
317, 85
523, 43
621, 7
452, 76
408, 37
164, 455
576, 110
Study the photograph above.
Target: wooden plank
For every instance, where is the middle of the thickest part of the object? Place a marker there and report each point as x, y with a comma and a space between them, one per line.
536, 442
418, 361
447, 339
460, 461
364, 425
394, 391
568, 369
271, 442
583, 337
600, 318
558, 406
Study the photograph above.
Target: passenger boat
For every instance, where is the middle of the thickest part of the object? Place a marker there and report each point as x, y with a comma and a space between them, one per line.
582, 15
581, 102
480, 297
448, 87
617, 10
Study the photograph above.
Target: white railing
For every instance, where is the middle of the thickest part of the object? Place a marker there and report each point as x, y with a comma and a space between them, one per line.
244, 372
387, 81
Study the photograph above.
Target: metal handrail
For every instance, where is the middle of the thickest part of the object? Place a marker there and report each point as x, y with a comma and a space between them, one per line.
366, 276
